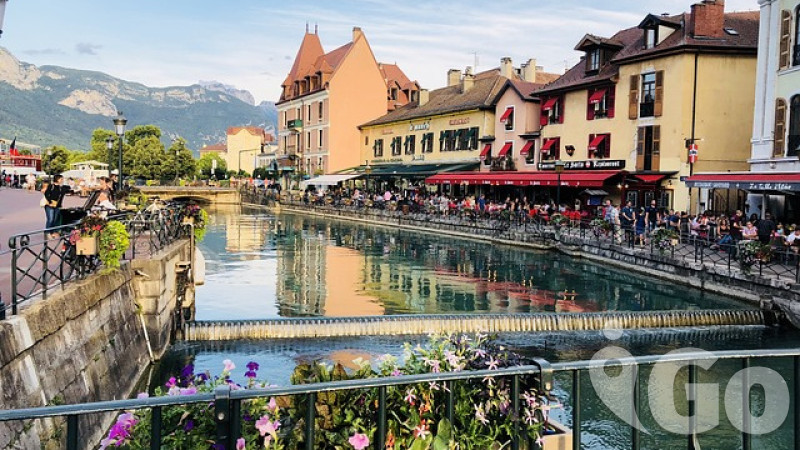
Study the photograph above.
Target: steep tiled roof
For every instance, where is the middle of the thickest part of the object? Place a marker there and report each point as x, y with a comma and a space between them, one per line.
525, 88
310, 50
218, 148
255, 131
393, 74
449, 99
745, 39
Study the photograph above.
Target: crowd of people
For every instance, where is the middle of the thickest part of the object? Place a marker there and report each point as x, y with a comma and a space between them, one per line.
54, 190
625, 222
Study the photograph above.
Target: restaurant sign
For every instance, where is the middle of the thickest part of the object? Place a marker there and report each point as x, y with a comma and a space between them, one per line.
592, 164
744, 185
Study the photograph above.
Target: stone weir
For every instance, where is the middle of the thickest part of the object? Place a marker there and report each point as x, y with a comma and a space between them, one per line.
468, 323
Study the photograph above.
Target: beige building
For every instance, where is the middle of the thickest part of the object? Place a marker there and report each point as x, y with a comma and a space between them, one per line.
244, 148
637, 102
455, 128
327, 95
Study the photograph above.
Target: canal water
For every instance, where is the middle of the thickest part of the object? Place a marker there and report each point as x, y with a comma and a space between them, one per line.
263, 266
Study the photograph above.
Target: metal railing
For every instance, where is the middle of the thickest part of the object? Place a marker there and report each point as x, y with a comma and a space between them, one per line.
42, 260
695, 251
227, 402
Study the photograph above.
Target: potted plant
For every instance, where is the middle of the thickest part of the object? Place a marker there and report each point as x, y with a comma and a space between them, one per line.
600, 226
114, 241
84, 236
198, 217
664, 239
558, 220
752, 252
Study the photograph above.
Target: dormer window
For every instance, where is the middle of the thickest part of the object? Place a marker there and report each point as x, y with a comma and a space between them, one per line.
650, 37
593, 60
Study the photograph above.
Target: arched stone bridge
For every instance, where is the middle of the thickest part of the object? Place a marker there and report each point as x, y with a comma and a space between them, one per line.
202, 194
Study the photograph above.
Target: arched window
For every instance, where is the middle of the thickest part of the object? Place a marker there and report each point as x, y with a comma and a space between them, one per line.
794, 127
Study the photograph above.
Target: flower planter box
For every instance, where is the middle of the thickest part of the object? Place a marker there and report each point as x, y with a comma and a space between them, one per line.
561, 440
86, 246
188, 220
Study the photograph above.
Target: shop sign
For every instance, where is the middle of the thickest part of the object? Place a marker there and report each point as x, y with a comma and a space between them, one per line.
592, 164
387, 131
418, 158
462, 121
390, 160
420, 127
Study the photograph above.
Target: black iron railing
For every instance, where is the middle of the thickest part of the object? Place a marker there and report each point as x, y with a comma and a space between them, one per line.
42, 260
227, 403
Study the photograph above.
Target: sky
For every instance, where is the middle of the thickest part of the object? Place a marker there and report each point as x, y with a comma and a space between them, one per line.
251, 43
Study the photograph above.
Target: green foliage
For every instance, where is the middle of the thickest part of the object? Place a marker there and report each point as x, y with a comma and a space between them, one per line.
57, 161
114, 241
204, 165
182, 163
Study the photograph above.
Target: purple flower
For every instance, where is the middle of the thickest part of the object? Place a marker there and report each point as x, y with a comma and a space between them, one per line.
188, 391
171, 383
266, 426
202, 378
143, 395
240, 444
189, 426
188, 372
252, 365
359, 441
250, 374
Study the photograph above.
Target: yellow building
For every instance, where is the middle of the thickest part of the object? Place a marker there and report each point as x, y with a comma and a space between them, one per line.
448, 129
244, 148
638, 101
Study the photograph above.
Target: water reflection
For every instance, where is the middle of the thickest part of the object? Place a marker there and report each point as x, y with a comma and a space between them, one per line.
262, 266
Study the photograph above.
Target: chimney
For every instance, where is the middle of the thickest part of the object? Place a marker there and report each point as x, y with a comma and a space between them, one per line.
529, 70
424, 97
357, 33
506, 67
453, 77
468, 81
708, 19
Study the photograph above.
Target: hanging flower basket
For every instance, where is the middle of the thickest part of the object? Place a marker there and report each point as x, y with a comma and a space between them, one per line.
86, 246
188, 220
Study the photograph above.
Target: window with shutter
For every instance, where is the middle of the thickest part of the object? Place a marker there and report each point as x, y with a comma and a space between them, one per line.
633, 98
610, 99
657, 140
786, 38
779, 142
659, 104
590, 107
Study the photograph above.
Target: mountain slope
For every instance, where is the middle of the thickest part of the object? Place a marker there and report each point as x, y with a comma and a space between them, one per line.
52, 105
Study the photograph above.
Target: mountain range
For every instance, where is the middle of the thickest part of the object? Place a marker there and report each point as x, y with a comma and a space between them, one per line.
51, 105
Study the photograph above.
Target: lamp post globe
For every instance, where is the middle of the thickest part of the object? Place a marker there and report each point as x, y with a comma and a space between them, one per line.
119, 127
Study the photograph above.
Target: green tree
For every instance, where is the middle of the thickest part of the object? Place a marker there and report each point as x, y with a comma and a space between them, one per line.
204, 165
140, 132
182, 163
147, 158
55, 159
99, 149
25, 152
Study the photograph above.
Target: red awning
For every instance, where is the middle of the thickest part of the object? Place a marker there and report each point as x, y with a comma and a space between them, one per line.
596, 141
485, 152
506, 114
748, 181
651, 178
548, 105
504, 151
548, 144
597, 97
583, 179
527, 149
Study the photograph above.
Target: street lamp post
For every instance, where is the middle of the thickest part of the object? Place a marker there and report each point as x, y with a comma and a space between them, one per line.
119, 126
559, 169
367, 170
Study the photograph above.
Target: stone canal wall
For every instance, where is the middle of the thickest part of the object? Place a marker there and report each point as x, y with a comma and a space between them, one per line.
85, 343
752, 288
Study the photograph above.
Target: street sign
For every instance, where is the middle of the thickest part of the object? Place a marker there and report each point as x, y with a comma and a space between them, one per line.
693, 153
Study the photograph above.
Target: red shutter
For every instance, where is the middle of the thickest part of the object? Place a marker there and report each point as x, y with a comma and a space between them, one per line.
543, 119
561, 109
589, 105
608, 146
610, 98
589, 152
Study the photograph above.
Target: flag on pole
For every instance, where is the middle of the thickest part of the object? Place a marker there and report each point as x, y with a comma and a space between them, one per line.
13, 149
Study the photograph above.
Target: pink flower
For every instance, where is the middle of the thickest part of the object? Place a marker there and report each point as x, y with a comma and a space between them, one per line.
421, 431
266, 426
143, 395
240, 444
172, 382
272, 406
188, 391
229, 365
410, 398
359, 441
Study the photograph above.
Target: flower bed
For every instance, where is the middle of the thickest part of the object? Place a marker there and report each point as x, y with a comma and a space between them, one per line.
482, 414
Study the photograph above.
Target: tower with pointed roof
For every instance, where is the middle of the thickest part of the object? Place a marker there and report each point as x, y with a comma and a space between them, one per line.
326, 96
